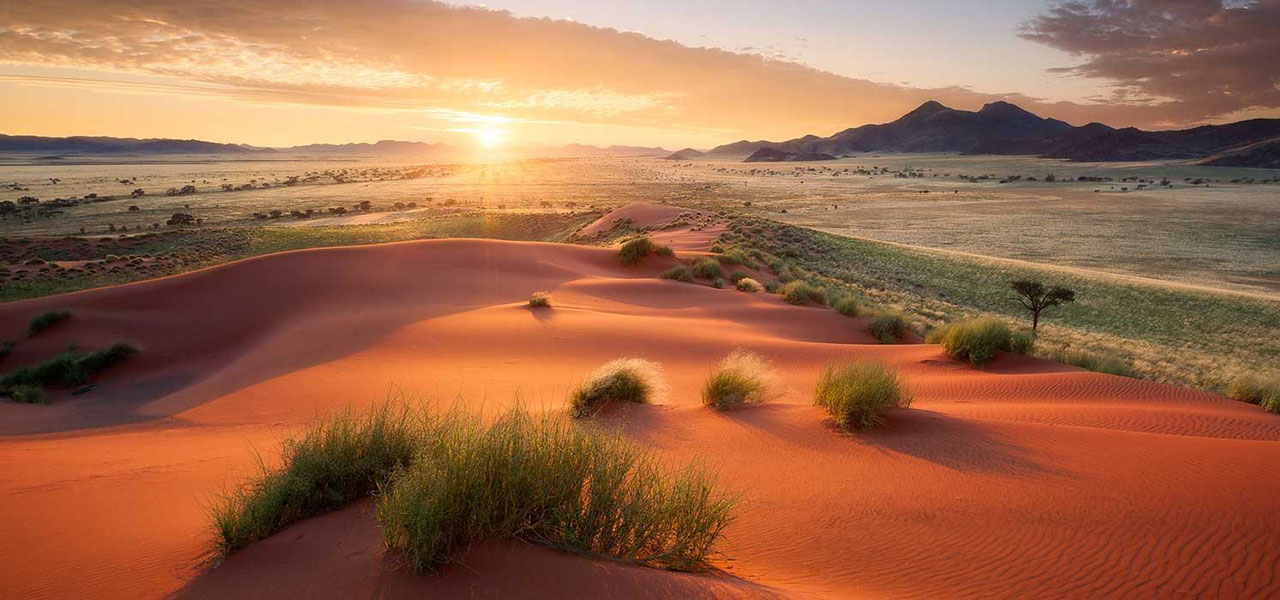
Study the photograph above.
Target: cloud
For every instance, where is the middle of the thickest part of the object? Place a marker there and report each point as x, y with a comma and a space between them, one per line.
420, 55
1195, 59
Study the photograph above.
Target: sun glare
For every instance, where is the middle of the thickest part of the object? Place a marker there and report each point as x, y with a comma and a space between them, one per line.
489, 136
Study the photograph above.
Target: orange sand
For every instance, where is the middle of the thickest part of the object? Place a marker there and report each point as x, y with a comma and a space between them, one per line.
1028, 479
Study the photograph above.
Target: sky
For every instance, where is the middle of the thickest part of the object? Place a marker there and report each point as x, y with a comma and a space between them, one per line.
629, 72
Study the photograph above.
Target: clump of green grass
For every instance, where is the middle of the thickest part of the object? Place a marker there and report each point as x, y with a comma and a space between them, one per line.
1022, 342
664, 251
740, 378
619, 380
736, 256
1255, 390
545, 481
888, 326
707, 268
68, 368
46, 320
633, 251
847, 305
340, 460
799, 292
976, 340
738, 274
749, 285
1094, 361
29, 394
540, 300
678, 273
858, 394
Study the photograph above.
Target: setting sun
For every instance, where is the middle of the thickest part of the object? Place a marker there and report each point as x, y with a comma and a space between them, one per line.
489, 136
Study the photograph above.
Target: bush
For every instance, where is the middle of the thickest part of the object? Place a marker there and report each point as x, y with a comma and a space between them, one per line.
747, 284
738, 274
340, 460
29, 394
736, 256
858, 394
619, 380
740, 378
717, 283
888, 326
547, 482
1096, 362
46, 320
68, 368
847, 305
976, 340
707, 268
664, 251
799, 292
773, 287
678, 273
1255, 390
631, 252
1022, 342
540, 300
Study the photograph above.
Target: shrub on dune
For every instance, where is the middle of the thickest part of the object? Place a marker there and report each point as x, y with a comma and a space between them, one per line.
633, 251
620, 380
858, 394
545, 481
1255, 390
976, 340
707, 268
1094, 361
736, 256
46, 320
678, 273
747, 284
888, 326
847, 305
1022, 342
540, 300
340, 460
740, 378
664, 251
738, 274
798, 292
68, 368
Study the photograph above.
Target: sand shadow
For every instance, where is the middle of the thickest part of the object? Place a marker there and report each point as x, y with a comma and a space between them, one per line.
955, 443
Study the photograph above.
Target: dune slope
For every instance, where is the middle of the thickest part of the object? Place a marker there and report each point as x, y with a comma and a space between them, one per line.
1027, 479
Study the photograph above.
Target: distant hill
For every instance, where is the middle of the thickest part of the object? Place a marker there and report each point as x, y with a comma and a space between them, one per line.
776, 155
110, 145
686, 154
1262, 154
1005, 129
587, 150
384, 147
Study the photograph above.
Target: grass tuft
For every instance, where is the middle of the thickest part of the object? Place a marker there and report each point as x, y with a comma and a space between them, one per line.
540, 300
1093, 361
664, 251
800, 293
68, 368
747, 284
976, 340
847, 305
46, 320
29, 394
1255, 390
620, 380
740, 378
633, 251
678, 273
340, 460
543, 480
858, 394
707, 268
888, 326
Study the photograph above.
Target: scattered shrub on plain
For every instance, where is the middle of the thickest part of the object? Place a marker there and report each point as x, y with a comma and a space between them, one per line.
620, 380
740, 378
858, 394
46, 320
633, 251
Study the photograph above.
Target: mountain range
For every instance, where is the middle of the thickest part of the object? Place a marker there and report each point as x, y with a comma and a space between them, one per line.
1005, 129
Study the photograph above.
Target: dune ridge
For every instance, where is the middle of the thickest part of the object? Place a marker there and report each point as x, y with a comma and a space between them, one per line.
1027, 479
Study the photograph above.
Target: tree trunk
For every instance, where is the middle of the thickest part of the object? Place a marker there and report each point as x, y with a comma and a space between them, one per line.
1035, 323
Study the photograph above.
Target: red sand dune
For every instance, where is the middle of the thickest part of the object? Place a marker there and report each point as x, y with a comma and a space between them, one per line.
1027, 479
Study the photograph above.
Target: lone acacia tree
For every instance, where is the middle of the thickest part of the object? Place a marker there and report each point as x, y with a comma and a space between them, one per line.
1035, 297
